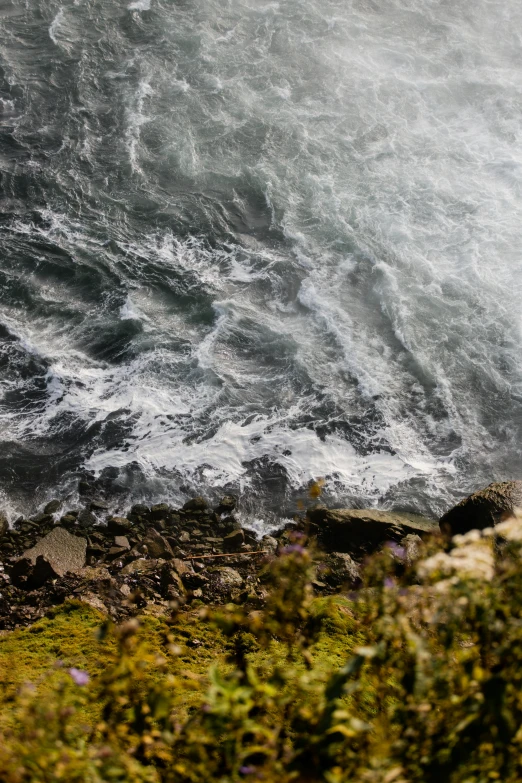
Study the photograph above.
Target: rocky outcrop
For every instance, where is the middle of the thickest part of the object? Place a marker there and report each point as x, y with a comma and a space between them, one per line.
361, 531
483, 508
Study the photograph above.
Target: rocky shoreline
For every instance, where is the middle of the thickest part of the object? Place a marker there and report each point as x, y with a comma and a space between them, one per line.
158, 556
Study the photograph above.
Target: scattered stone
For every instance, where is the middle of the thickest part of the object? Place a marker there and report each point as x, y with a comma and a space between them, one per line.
139, 510
122, 541
4, 525
483, 508
142, 566
119, 525
125, 590
53, 506
181, 567
158, 546
234, 541
196, 504
115, 552
185, 536
63, 551
361, 531
226, 505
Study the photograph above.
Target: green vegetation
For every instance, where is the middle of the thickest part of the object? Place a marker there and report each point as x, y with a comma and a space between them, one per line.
416, 678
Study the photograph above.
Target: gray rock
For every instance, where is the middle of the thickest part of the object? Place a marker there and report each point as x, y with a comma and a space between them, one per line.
53, 506
483, 508
228, 577
4, 525
234, 541
196, 504
63, 551
119, 526
361, 531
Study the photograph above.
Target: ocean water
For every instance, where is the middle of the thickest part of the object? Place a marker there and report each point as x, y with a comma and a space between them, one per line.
246, 244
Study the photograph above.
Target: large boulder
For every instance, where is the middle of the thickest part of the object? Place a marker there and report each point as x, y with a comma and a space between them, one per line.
483, 508
63, 551
362, 531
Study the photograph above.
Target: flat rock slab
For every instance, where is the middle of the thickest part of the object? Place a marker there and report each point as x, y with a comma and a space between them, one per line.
63, 551
361, 531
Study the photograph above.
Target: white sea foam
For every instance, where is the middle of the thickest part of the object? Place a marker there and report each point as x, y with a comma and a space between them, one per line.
356, 311
140, 5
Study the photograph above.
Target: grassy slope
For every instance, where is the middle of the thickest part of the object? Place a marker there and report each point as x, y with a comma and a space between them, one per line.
68, 637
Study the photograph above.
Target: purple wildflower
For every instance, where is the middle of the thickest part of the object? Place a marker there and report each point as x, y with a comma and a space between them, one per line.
288, 550
247, 770
398, 551
79, 677
389, 582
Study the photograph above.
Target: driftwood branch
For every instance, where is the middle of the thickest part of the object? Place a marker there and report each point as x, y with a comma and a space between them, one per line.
232, 554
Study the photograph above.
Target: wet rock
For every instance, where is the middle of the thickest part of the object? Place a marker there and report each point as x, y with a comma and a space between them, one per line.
53, 506
234, 541
4, 525
85, 488
196, 504
99, 505
185, 537
226, 505
158, 546
361, 531
119, 526
63, 551
483, 508
160, 511
86, 518
139, 510
122, 542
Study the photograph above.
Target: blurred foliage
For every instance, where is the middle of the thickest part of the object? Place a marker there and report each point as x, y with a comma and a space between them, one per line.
429, 692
